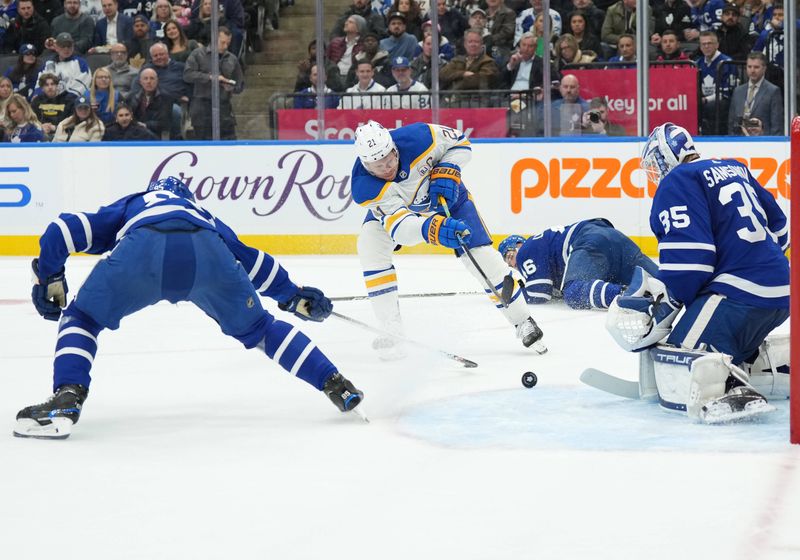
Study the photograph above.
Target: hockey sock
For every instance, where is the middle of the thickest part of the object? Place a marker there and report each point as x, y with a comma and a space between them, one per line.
76, 347
383, 295
295, 353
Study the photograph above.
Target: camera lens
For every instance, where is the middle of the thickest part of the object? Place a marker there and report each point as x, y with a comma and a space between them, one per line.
594, 117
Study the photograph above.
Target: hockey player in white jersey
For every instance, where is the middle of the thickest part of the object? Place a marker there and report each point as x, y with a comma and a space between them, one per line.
166, 247
409, 180
721, 240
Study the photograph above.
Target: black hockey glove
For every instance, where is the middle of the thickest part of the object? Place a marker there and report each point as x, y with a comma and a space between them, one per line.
310, 304
49, 294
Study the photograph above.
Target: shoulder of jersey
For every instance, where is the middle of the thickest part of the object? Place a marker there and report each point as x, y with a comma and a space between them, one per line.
365, 186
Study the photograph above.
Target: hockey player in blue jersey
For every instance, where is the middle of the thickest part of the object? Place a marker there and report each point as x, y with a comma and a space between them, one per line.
721, 239
588, 263
409, 180
166, 247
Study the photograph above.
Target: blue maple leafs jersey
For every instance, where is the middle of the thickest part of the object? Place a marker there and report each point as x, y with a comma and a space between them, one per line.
542, 260
719, 231
99, 232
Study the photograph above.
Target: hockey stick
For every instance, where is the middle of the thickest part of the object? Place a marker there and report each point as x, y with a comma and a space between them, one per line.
508, 280
463, 361
610, 384
403, 296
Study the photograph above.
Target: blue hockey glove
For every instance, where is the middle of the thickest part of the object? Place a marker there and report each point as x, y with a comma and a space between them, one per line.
310, 304
439, 230
445, 180
49, 294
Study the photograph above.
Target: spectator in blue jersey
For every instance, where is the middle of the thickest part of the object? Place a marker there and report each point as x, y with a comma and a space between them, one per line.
770, 40
72, 70
706, 16
587, 263
721, 242
23, 125
166, 248
708, 65
23, 74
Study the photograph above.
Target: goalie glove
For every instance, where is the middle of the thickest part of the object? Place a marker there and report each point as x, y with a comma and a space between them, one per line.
310, 304
643, 315
448, 232
445, 180
49, 294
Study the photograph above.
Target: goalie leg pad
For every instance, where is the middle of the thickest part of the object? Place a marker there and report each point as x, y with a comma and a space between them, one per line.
673, 376
769, 373
709, 374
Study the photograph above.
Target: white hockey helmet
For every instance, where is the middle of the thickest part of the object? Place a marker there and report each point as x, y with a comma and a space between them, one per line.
668, 146
373, 142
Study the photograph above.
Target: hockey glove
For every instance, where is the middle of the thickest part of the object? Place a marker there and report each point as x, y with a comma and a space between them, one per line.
445, 180
310, 304
49, 294
643, 315
447, 232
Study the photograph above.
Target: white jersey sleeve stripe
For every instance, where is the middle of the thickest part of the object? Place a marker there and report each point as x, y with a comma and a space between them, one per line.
686, 266
678, 246
256, 266
752, 287
272, 273
591, 292
87, 229
68, 241
540, 281
783, 231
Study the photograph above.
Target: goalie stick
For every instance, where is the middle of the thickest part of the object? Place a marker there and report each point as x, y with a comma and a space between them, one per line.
463, 361
610, 384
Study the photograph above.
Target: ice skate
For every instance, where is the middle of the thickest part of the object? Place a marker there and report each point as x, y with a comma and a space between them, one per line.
54, 418
737, 404
342, 392
530, 334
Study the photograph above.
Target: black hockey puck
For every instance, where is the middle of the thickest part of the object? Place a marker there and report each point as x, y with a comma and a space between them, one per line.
529, 379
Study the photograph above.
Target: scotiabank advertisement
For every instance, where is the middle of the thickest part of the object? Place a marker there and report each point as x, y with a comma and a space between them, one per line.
296, 197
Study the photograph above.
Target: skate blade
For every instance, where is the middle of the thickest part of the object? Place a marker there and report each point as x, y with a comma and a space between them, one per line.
539, 347
360, 413
725, 416
59, 428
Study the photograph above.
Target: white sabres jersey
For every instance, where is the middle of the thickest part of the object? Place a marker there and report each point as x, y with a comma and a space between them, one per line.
399, 204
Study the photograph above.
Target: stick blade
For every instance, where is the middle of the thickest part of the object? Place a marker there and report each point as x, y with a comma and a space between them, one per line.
507, 291
610, 384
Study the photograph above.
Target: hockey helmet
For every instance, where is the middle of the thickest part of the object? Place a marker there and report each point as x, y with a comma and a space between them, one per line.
510, 244
173, 185
373, 142
668, 146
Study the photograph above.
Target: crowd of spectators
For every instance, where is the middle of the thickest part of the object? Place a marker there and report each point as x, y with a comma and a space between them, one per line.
381, 46
120, 69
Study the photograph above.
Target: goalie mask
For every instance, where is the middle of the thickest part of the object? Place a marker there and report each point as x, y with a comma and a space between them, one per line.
173, 185
668, 146
508, 247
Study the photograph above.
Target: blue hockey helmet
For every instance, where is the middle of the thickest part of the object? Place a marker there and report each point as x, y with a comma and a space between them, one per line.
173, 185
668, 146
510, 243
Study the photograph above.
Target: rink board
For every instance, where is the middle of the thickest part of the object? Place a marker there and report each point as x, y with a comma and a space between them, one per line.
294, 197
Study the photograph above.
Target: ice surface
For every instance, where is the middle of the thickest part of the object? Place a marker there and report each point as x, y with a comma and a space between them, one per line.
190, 447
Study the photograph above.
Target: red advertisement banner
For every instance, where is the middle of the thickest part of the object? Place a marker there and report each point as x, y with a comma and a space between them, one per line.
302, 124
673, 94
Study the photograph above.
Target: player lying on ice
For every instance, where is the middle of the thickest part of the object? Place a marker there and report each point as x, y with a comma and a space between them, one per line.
166, 247
721, 242
409, 180
588, 263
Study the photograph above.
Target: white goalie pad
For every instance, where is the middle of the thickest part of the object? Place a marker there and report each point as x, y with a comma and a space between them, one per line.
672, 372
769, 374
